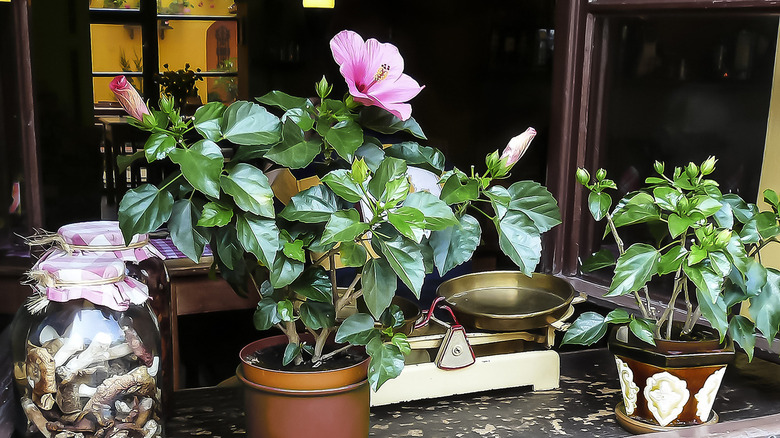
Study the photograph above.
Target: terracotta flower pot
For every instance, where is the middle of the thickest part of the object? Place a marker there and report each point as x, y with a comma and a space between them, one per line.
331, 403
670, 385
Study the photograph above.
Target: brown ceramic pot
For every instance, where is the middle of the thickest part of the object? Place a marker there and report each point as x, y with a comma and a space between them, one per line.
672, 384
287, 404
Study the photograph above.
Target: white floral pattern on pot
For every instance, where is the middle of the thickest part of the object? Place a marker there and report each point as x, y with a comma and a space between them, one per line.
666, 396
706, 395
627, 385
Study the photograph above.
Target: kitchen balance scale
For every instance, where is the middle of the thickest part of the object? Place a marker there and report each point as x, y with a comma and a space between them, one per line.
503, 326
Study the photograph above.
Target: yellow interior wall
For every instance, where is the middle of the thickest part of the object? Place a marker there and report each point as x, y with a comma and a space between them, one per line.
185, 43
770, 170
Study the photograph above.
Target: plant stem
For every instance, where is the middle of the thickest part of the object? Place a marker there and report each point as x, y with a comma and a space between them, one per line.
667, 315
621, 250
319, 344
333, 286
333, 353
689, 326
288, 328
347, 297
689, 321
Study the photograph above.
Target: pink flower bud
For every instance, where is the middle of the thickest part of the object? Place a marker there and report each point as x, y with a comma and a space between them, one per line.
517, 146
128, 97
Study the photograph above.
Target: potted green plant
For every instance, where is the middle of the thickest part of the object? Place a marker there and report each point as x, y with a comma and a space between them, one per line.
180, 85
708, 244
386, 226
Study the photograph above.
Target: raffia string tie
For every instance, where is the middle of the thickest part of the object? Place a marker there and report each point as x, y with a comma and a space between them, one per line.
46, 279
43, 238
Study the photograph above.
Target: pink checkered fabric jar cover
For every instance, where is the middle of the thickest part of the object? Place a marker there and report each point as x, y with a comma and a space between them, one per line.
98, 278
105, 236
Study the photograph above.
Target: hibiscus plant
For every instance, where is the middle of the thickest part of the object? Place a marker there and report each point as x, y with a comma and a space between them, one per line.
708, 242
366, 214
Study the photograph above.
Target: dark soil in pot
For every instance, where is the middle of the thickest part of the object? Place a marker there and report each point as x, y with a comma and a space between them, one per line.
271, 358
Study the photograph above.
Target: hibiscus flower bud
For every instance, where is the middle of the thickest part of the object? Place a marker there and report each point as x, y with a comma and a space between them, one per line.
517, 147
128, 97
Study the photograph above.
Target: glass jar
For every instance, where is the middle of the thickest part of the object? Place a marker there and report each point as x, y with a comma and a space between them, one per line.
86, 349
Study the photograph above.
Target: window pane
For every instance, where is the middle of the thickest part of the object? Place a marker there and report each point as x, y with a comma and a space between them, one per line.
115, 49
206, 46
114, 4
196, 7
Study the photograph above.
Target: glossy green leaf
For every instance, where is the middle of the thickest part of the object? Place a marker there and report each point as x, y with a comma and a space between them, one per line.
143, 210
765, 308
725, 216
248, 153
635, 208
534, 201
696, 255
600, 259
344, 226
633, 269
587, 329
456, 244
294, 151
395, 191
284, 270
618, 316
357, 329
313, 205
742, 211
667, 197
643, 329
519, 239
599, 204
714, 312
400, 340
455, 192
720, 263
403, 255
125, 161
736, 251
257, 235
158, 146
266, 314
418, 156
250, 189
189, 239
743, 332
316, 315
390, 169
215, 215
678, 224
201, 165
285, 309
437, 214
352, 254
672, 260
499, 200
379, 284
408, 221
705, 279
346, 137
247, 123
294, 250
380, 120
340, 181
314, 284
300, 117
291, 351
208, 119
284, 101
227, 248
386, 362
371, 153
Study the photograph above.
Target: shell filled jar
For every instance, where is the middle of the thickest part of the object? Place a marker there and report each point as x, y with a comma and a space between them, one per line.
86, 350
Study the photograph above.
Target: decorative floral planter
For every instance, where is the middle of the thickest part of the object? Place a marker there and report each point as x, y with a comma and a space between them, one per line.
299, 404
670, 385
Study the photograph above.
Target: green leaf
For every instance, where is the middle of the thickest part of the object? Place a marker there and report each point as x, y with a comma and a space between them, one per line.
400, 341
706, 205
408, 221
300, 117
499, 200
714, 312
317, 315
357, 329
696, 255
250, 189
207, 120
402, 255
720, 263
340, 181
294, 151
344, 226
599, 204
600, 259
125, 161
424, 157
314, 284
455, 192
158, 146
215, 215
617, 316
346, 137
380, 120
667, 197
678, 224
765, 308
534, 201
259, 236
519, 238
227, 248
284, 271
284, 101
743, 332
291, 351
389, 170
643, 329
672, 260
456, 244
201, 165
266, 314
248, 153
635, 208
313, 205
437, 214
379, 284
294, 250
588, 329
247, 123
386, 362
143, 210
742, 211
372, 154
705, 279
285, 309
634, 269
352, 254
189, 239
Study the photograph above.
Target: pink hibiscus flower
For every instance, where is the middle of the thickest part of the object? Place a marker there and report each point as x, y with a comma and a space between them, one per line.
374, 73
